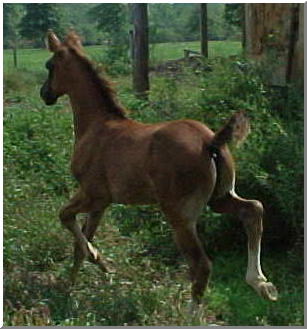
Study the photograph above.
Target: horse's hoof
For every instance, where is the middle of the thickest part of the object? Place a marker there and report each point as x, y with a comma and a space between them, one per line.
104, 267
268, 291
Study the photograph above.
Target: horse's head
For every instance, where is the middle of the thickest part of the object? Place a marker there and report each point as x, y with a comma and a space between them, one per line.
61, 66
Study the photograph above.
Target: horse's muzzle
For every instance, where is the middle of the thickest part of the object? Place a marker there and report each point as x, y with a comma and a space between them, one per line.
47, 96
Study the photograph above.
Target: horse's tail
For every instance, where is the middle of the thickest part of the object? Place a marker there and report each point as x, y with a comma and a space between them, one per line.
235, 130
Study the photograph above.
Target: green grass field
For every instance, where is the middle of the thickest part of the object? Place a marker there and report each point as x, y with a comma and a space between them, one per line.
150, 286
32, 59
167, 51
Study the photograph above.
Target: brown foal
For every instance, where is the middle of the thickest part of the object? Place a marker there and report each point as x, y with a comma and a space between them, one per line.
181, 165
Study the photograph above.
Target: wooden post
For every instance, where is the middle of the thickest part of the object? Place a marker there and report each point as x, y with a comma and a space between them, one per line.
15, 56
203, 30
140, 50
14, 45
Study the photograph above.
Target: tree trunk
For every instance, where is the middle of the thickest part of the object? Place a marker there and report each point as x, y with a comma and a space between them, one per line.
274, 37
243, 25
297, 60
203, 30
140, 50
15, 56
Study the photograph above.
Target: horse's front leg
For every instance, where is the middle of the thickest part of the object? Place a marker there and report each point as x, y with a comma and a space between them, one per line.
250, 212
89, 228
83, 247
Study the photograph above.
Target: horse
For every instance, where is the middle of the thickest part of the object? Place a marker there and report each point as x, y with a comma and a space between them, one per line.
180, 165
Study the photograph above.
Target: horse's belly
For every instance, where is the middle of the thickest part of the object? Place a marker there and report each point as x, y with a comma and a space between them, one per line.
132, 191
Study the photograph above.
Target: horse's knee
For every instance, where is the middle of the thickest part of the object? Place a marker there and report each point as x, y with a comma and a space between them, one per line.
78, 203
66, 215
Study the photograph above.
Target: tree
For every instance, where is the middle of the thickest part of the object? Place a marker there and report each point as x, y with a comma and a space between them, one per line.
11, 18
203, 30
112, 19
75, 15
171, 22
217, 29
40, 17
274, 36
234, 13
140, 49
235, 18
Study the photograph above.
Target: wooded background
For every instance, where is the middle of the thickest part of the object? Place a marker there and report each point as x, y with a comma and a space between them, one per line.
271, 33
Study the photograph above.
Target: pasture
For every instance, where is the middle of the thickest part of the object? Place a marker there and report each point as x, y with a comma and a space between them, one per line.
150, 286
33, 58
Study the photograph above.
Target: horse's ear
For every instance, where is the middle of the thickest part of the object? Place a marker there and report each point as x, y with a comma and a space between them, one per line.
52, 41
73, 40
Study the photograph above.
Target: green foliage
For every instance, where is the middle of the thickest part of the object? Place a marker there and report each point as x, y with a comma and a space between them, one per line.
110, 63
11, 18
75, 15
234, 21
111, 18
234, 13
217, 27
109, 23
170, 22
40, 17
27, 154
180, 22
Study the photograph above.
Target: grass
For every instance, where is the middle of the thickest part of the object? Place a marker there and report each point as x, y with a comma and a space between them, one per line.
147, 289
34, 59
167, 51
150, 286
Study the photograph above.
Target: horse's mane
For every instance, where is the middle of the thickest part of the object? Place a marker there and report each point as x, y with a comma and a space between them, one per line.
108, 94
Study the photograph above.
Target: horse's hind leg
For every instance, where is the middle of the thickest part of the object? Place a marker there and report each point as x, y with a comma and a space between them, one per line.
80, 203
250, 212
183, 221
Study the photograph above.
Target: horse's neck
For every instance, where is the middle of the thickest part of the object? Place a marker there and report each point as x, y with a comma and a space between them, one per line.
89, 107
85, 110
